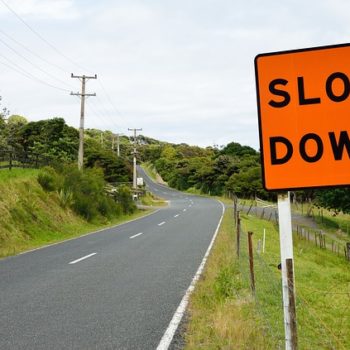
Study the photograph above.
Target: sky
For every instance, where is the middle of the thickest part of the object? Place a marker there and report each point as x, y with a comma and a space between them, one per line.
182, 70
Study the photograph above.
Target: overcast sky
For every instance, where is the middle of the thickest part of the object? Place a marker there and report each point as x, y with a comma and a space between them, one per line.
182, 70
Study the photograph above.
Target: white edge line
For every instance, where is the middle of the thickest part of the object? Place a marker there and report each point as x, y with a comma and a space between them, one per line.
138, 234
84, 235
175, 321
83, 258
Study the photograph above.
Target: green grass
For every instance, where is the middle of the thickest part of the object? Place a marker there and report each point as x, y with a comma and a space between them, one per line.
31, 217
326, 219
17, 173
151, 200
322, 288
224, 315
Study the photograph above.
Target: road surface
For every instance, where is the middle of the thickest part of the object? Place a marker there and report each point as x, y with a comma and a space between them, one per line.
115, 289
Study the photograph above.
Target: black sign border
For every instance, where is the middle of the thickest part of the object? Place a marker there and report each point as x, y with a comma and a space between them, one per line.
275, 53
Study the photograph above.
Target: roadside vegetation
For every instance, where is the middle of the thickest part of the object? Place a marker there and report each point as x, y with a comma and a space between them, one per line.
61, 206
224, 314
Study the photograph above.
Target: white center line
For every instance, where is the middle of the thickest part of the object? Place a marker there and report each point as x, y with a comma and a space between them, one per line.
175, 216
83, 258
162, 223
138, 234
184, 209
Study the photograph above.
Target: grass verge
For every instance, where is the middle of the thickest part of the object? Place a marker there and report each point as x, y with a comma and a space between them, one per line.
222, 310
223, 314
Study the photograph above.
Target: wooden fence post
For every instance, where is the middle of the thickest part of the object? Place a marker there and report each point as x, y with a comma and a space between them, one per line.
250, 208
10, 161
348, 250
292, 308
251, 262
262, 214
238, 234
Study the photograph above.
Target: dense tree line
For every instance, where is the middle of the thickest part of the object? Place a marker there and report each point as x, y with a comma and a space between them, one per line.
232, 169
57, 142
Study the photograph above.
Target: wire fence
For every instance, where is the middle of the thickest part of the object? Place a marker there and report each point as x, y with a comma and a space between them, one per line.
317, 237
314, 315
14, 159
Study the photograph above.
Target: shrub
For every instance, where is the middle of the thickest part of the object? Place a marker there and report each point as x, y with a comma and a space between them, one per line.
48, 179
124, 197
65, 198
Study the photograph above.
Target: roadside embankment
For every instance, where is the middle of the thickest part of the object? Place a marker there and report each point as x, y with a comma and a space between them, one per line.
31, 217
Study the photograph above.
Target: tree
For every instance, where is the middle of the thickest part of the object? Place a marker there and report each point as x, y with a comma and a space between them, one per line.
337, 199
248, 184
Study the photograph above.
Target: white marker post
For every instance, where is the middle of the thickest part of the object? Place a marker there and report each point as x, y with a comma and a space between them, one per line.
264, 239
286, 247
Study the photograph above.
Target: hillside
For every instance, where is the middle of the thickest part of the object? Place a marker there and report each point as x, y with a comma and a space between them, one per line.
31, 217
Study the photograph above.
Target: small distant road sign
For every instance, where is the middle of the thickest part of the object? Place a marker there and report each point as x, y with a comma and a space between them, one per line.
139, 181
304, 117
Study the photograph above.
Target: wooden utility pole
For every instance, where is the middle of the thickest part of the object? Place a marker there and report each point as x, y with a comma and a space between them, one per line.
82, 94
118, 143
134, 183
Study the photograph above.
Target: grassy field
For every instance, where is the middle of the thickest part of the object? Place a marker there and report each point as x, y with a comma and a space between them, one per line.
31, 217
15, 173
224, 315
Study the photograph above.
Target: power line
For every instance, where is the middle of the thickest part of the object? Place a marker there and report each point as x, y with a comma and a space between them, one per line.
33, 64
111, 102
33, 52
28, 75
37, 34
40, 36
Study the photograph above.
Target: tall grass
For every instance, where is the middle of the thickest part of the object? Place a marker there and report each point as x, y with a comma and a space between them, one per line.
224, 314
17, 173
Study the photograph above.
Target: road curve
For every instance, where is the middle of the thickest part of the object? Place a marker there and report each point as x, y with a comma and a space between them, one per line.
115, 289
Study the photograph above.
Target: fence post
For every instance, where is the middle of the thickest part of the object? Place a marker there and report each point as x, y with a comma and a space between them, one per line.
250, 208
235, 208
292, 309
348, 250
238, 233
262, 214
10, 161
251, 262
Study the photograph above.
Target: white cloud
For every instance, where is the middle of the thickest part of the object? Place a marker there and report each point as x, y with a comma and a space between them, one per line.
181, 70
41, 9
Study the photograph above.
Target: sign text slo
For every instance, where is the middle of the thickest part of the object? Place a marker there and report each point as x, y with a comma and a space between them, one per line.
304, 117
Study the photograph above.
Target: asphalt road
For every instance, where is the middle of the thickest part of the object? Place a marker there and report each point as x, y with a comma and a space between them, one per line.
121, 295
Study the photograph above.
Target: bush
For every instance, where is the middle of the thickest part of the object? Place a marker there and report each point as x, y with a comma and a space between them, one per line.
84, 192
48, 179
124, 197
65, 198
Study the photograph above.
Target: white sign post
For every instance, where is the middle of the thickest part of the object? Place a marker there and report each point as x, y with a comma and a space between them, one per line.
286, 247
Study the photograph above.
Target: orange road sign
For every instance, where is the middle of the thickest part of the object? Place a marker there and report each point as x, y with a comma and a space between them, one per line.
304, 117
